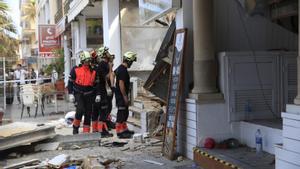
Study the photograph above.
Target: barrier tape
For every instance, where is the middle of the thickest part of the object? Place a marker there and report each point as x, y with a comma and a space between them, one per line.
26, 80
205, 154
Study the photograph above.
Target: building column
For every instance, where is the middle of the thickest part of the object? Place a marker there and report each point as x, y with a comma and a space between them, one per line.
82, 32
205, 72
112, 28
67, 59
297, 99
75, 41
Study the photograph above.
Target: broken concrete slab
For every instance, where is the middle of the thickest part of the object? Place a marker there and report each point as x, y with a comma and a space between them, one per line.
47, 146
78, 141
23, 164
20, 133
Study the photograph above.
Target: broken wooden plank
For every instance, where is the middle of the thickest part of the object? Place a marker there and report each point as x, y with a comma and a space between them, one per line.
23, 164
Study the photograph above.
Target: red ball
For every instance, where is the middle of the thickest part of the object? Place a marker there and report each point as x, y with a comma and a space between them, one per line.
209, 143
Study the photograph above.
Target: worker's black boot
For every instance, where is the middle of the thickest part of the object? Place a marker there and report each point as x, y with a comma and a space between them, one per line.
105, 134
75, 130
110, 125
124, 135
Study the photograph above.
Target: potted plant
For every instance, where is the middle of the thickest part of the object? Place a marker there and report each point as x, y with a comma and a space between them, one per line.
58, 66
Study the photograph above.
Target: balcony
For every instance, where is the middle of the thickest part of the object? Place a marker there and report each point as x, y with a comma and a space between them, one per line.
58, 15
67, 6
28, 31
26, 50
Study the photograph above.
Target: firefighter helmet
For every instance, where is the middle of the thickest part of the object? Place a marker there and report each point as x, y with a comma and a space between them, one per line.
102, 52
85, 56
130, 56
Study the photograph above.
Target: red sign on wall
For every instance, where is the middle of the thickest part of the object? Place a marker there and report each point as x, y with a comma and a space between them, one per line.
47, 40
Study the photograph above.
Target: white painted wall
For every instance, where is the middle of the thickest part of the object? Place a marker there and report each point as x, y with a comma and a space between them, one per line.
213, 118
271, 136
111, 29
264, 35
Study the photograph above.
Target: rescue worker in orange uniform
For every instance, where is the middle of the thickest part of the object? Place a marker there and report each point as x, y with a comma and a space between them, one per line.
81, 89
121, 94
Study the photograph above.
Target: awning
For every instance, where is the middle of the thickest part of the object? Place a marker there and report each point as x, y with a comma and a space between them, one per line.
76, 6
60, 26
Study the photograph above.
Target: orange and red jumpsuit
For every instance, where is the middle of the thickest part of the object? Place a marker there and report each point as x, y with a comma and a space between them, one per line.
82, 83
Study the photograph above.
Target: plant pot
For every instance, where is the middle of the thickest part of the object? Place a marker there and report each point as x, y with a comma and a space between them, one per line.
60, 88
60, 85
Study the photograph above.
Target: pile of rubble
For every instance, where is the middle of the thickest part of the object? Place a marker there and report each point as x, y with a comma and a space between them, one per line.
67, 162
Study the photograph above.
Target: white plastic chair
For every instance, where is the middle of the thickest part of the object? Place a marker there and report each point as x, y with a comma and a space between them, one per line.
30, 97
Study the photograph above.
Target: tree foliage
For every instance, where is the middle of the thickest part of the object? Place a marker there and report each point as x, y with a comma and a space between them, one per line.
30, 11
8, 45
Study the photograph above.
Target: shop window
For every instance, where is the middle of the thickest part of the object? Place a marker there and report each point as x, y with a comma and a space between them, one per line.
94, 31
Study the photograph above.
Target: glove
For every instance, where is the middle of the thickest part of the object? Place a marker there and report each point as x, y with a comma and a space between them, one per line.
71, 98
109, 91
98, 99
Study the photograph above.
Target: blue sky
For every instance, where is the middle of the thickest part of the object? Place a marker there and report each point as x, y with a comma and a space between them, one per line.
14, 12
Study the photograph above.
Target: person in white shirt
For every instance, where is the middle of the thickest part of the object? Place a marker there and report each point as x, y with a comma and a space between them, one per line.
19, 76
54, 76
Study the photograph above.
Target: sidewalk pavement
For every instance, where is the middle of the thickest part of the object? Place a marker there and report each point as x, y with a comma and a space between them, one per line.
13, 111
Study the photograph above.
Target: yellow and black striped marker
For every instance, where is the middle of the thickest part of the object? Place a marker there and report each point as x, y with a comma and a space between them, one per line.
205, 154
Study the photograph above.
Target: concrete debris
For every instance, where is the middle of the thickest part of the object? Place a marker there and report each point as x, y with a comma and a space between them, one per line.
179, 159
23, 164
20, 133
58, 161
153, 162
125, 148
14, 155
92, 163
158, 131
146, 135
80, 141
138, 138
113, 144
76, 146
47, 147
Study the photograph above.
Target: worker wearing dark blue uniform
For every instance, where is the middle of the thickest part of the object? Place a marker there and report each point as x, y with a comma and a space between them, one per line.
121, 94
102, 108
110, 95
81, 89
